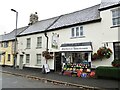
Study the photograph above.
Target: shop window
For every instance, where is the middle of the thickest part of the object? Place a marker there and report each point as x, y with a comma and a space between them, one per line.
28, 43
8, 57
117, 50
39, 42
27, 58
77, 31
38, 59
116, 17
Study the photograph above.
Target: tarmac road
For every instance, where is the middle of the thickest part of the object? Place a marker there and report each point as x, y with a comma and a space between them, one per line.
11, 81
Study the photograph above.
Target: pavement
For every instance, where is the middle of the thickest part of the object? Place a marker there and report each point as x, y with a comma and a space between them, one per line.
86, 83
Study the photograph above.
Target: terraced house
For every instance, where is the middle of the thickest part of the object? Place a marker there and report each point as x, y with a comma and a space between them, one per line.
7, 43
80, 36
75, 37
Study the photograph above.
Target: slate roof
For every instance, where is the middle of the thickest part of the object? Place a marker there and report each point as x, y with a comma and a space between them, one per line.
11, 35
81, 16
39, 26
85, 15
108, 3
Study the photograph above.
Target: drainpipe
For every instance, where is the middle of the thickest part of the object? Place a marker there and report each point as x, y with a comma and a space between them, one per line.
47, 36
47, 41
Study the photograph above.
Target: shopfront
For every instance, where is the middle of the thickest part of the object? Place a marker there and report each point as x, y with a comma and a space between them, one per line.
76, 56
76, 52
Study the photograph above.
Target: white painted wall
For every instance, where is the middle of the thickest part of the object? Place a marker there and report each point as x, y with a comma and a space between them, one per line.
97, 33
33, 51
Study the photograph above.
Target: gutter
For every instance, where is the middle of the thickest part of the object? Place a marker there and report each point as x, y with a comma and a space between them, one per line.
67, 26
109, 7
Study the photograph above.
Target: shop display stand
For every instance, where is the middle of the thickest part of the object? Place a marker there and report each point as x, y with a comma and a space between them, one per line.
77, 69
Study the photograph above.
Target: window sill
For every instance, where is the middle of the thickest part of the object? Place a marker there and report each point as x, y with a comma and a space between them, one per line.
114, 26
38, 47
27, 64
27, 48
78, 37
38, 65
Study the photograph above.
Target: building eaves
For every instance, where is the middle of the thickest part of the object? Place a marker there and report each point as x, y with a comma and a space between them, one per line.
78, 17
81, 16
107, 4
11, 36
39, 26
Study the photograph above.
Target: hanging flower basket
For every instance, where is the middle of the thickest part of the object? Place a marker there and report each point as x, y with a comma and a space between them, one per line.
102, 53
47, 55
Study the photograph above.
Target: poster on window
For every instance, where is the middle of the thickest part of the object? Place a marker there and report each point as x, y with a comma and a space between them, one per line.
55, 38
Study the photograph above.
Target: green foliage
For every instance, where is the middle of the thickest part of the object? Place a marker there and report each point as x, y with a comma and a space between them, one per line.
116, 63
102, 53
108, 72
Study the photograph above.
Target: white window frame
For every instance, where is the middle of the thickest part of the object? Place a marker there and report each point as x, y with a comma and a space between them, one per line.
28, 45
116, 17
77, 32
39, 42
38, 59
27, 58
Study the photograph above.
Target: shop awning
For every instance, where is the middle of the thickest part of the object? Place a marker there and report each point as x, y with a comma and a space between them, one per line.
1, 52
85, 46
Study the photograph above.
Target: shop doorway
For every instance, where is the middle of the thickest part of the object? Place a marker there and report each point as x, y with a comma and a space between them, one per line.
58, 65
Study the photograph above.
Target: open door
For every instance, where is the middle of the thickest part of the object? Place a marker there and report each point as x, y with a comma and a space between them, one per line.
58, 65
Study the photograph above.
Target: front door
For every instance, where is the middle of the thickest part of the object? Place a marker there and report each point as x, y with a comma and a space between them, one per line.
21, 62
58, 62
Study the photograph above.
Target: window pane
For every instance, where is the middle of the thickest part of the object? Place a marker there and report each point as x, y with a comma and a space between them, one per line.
8, 57
5, 44
27, 58
119, 21
73, 34
39, 41
117, 50
116, 17
115, 21
38, 58
119, 12
81, 31
77, 31
115, 13
28, 42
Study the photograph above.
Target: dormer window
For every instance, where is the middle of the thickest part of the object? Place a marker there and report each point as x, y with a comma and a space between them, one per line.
116, 17
77, 31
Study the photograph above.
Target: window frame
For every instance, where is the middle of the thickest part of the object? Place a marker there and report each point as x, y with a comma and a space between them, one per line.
6, 44
76, 32
27, 58
39, 42
116, 17
116, 50
38, 59
28, 44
